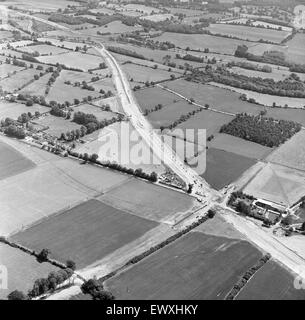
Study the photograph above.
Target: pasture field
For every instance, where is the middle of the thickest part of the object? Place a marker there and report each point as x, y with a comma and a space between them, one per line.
278, 184
56, 42
113, 102
8, 69
61, 92
260, 48
18, 80
14, 110
217, 98
266, 99
167, 115
195, 263
151, 201
44, 49
223, 168
54, 184
140, 8
105, 84
239, 146
38, 87
12, 162
187, 12
271, 282
143, 74
291, 153
206, 119
22, 268
85, 233
5, 35
249, 33
98, 112
47, 5
75, 60
150, 97
113, 27
276, 74
296, 49
202, 41
55, 126
75, 76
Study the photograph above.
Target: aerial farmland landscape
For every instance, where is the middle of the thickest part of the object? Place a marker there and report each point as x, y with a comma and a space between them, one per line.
152, 150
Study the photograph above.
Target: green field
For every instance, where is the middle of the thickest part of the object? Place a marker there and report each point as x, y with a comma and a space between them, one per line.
149, 98
17, 81
44, 49
13, 110
23, 269
98, 112
239, 146
12, 162
222, 168
296, 48
170, 113
197, 266
271, 282
151, 201
217, 98
249, 33
85, 233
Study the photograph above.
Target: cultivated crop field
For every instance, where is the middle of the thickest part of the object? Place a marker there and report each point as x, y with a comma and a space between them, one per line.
291, 153
271, 282
13, 109
195, 263
54, 184
12, 162
149, 98
249, 33
22, 268
75, 60
85, 233
223, 168
152, 202
239, 146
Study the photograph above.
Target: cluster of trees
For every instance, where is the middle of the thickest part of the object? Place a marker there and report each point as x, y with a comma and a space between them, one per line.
158, 107
249, 66
12, 129
26, 117
265, 131
190, 57
96, 289
52, 79
246, 277
284, 88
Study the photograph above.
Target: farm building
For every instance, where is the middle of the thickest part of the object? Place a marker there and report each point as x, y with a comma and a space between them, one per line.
277, 188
